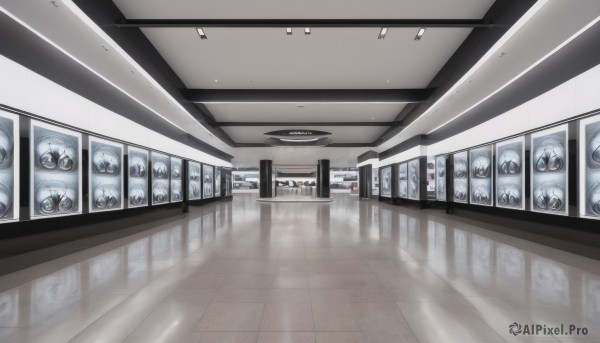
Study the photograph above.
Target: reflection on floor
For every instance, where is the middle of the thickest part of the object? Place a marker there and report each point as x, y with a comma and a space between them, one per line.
348, 271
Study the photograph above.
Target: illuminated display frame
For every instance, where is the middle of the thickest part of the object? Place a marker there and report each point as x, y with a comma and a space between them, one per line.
92, 176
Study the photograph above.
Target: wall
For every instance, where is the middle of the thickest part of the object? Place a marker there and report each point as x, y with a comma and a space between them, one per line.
27, 91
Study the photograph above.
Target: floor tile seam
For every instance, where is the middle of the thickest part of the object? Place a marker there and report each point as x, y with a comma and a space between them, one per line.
160, 302
407, 322
98, 319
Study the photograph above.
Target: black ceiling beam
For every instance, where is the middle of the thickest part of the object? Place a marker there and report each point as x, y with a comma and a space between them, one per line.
347, 123
204, 23
306, 95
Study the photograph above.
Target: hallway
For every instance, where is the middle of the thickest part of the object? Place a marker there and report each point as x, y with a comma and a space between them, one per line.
350, 271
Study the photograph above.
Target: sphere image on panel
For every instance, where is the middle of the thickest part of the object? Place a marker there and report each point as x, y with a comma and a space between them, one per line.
137, 196
5, 200
6, 144
106, 197
106, 161
55, 151
549, 154
55, 198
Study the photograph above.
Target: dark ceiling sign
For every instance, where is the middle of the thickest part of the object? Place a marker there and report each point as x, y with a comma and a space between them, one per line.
297, 133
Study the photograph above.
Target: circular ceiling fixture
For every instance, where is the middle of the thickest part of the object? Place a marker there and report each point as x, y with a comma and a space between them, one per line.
298, 137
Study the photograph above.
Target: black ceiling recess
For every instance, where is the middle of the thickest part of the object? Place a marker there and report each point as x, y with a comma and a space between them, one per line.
243, 23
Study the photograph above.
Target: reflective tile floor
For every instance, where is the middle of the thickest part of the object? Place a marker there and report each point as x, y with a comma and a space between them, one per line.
349, 271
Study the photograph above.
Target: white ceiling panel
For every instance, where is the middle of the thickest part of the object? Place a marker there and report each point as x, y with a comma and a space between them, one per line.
293, 9
329, 58
339, 134
303, 112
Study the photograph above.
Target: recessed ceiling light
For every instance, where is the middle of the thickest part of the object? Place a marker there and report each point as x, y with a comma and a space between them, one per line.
201, 33
216, 80
288, 31
373, 118
420, 33
307, 30
387, 81
382, 33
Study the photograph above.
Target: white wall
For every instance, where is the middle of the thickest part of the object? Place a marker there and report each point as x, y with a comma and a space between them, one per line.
574, 97
23, 89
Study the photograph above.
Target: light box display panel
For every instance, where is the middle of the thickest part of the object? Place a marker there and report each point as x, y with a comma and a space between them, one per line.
375, 181
217, 182
440, 178
510, 174
228, 182
138, 177
413, 180
461, 177
589, 167
403, 180
207, 181
160, 178
386, 181
106, 175
549, 151
176, 186
194, 182
9, 166
480, 176
56, 171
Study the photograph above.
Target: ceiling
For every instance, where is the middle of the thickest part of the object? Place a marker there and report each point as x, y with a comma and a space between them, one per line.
330, 58
386, 84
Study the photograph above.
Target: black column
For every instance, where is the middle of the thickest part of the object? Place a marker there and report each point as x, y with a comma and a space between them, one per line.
185, 204
323, 172
318, 184
266, 175
364, 182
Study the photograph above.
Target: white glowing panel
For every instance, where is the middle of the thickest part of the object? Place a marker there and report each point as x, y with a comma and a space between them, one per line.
208, 179
589, 167
194, 181
481, 176
510, 173
160, 178
414, 182
549, 171
176, 182
55, 171
461, 177
403, 180
138, 177
440, 178
9, 167
386, 181
106, 175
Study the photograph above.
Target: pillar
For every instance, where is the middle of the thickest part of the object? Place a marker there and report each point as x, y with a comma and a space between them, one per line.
323, 171
266, 178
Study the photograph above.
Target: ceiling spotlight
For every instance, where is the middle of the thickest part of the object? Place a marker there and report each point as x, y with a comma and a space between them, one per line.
201, 33
382, 33
288, 31
307, 30
420, 33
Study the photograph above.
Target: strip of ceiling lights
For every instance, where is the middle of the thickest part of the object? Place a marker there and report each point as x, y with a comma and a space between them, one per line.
492, 52
86, 20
